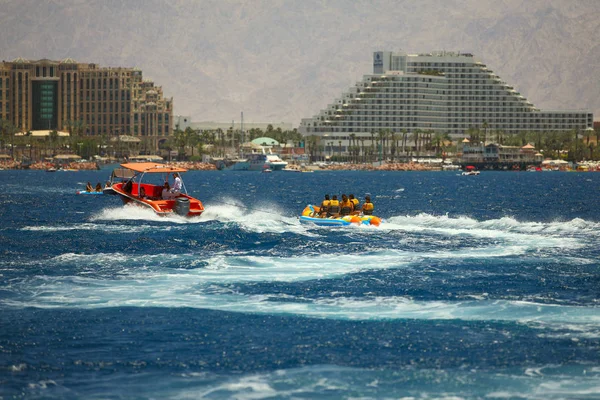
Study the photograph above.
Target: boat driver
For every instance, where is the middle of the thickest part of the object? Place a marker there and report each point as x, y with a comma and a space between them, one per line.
166, 192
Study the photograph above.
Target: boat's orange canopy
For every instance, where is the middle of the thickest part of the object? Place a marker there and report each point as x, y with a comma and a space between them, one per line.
150, 167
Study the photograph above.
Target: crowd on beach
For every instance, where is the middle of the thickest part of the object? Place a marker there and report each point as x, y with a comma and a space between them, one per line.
193, 165
90, 166
83, 166
385, 167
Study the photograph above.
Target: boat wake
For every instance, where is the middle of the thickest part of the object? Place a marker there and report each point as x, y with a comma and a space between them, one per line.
132, 212
233, 282
564, 234
192, 290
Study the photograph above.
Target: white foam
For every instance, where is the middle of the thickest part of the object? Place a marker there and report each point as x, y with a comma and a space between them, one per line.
571, 234
143, 284
331, 381
262, 218
96, 227
133, 212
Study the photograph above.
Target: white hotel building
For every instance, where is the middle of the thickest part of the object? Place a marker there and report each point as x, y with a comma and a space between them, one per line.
436, 92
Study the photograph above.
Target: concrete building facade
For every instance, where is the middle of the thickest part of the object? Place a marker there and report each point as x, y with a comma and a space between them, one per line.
95, 101
443, 92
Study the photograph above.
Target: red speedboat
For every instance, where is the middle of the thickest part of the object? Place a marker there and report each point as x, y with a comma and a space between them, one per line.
157, 195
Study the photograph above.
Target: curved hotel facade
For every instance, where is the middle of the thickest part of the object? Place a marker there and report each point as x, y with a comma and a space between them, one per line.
48, 95
442, 92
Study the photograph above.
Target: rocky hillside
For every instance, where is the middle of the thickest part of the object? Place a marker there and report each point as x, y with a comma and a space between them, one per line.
283, 60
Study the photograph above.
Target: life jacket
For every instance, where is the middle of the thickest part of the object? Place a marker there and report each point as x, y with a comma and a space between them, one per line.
346, 208
325, 205
367, 209
334, 207
355, 202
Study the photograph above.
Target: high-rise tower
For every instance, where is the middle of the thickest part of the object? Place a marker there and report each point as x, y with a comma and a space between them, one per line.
46, 95
435, 92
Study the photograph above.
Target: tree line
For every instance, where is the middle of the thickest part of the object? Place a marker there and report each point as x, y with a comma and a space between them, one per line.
78, 142
220, 142
385, 144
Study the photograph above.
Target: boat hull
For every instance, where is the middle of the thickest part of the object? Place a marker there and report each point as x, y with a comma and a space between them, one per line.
233, 165
162, 207
269, 165
308, 217
258, 162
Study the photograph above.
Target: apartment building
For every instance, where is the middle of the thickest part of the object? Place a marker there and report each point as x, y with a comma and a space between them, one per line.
444, 92
66, 95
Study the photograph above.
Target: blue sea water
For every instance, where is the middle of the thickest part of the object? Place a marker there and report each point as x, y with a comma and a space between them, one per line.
476, 287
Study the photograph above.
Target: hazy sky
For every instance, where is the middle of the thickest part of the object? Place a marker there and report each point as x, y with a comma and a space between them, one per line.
286, 60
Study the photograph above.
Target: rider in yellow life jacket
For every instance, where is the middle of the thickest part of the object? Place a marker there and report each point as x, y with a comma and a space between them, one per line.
354, 200
367, 208
346, 206
324, 206
334, 207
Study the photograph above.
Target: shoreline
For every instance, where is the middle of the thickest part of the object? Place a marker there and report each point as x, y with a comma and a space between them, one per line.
93, 166
203, 166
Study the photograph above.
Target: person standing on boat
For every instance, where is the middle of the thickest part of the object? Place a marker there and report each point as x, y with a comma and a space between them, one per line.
177, 184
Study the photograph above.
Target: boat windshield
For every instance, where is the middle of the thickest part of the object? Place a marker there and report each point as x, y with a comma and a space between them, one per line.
122, 173
159, 180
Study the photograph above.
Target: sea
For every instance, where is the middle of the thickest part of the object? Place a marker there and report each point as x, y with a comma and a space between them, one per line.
474, 287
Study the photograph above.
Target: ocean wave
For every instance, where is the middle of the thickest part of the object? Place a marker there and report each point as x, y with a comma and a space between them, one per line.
551, 382
132, 212
505, 224
201, 289
572, 234
111, 228
265, 218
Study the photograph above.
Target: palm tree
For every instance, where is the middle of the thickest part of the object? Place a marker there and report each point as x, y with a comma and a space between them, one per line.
312, 147
221, 137
437, 141
381, 140
485, 128
372, 145
53, 137
474, 135
352, 140
191, 138
362, 145
416, 137
179, 138
404, 139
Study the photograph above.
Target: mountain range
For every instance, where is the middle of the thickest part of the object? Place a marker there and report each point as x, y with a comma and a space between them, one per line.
283, 60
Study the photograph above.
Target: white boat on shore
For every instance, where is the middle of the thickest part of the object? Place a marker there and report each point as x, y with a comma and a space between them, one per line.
258, 162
